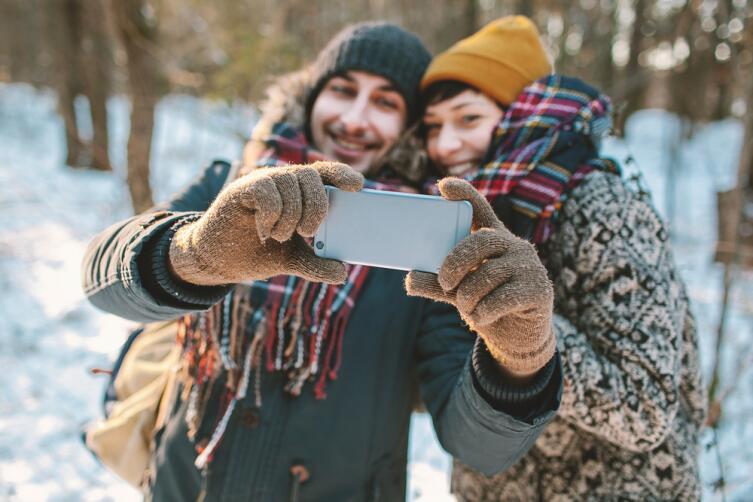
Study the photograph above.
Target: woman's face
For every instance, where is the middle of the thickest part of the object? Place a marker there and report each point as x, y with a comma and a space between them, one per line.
459, 131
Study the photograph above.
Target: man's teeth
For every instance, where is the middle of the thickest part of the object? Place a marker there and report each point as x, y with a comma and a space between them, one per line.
349, 145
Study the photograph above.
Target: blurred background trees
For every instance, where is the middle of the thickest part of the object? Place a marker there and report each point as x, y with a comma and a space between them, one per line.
691, 57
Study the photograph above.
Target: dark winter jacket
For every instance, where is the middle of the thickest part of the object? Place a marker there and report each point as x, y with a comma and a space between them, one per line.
353, 443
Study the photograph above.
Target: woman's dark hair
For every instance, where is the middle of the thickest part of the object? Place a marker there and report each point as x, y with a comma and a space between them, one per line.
444, 90
438, 92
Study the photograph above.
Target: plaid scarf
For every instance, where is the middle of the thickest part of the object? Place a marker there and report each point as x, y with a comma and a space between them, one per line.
284, 324
287, 145
544, 145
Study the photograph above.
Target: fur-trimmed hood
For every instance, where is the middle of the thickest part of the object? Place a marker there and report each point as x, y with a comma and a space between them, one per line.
286, 102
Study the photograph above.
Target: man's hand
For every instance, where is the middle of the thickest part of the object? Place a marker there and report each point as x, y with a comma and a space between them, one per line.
498, 284
255, 228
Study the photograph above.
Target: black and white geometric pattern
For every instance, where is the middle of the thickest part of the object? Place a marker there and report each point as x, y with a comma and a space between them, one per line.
633, 400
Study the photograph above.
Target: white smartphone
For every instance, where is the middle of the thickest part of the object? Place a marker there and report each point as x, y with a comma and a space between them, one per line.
391, 229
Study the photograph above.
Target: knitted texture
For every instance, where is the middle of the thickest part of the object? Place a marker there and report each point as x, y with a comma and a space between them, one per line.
499, 60
379, 48
282, 324
255, 228
498, 285
633, 401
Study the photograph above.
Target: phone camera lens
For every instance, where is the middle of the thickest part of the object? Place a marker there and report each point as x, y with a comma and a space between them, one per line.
319, 244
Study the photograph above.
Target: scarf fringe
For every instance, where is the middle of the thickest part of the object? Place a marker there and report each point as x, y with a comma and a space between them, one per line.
298, 334
285, 325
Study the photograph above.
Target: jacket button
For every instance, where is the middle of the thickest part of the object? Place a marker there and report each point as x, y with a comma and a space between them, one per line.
250, 418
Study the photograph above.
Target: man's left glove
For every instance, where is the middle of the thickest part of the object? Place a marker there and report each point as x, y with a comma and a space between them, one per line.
498, 284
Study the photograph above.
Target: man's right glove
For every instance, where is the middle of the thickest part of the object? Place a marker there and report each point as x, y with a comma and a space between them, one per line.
498, 284
255, 228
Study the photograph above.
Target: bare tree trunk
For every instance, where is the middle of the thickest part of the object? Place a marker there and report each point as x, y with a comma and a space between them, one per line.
634, 81
723, 71
470, 16
63, 31
95, 50
733, 245
683, 99
455, 22
524, 8
25, 41
138, 37
80, 52
605, 26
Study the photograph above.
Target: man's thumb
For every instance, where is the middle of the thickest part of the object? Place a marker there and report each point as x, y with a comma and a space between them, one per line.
304, 263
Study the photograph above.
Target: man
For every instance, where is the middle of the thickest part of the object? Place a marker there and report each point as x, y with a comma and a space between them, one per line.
300, 384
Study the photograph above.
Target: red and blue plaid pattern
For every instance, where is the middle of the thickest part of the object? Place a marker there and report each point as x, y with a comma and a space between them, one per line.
302, 323
284, 324
544, 145
309, 317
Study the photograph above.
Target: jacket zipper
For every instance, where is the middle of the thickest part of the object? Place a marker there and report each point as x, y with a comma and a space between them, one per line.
300, 475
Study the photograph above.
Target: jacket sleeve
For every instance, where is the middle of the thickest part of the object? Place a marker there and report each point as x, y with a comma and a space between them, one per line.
621, 316
479, 430
121, 264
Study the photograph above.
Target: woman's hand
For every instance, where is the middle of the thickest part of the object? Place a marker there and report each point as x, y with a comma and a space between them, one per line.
498, 284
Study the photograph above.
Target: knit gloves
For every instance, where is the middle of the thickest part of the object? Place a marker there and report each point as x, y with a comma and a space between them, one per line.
498, 284
255, 228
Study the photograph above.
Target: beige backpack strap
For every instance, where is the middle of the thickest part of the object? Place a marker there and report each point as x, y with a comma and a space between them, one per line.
170, 392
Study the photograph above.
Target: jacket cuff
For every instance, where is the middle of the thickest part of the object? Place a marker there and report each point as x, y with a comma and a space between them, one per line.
519, 400
182, 291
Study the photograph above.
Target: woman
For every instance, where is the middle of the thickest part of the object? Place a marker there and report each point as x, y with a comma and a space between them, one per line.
633, 401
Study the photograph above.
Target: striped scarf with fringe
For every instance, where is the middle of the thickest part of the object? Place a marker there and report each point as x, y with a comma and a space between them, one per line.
284, 324
544, 145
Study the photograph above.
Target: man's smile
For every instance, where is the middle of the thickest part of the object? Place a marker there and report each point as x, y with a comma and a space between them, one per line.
348, 145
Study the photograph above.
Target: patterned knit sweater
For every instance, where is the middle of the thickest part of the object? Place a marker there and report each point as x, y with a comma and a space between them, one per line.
633, 401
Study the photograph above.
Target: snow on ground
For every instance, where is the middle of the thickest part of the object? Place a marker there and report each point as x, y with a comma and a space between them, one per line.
50, 336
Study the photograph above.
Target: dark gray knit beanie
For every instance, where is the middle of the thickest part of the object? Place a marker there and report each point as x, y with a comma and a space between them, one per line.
380, 48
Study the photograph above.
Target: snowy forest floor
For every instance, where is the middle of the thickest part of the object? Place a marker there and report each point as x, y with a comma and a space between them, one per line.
50, 336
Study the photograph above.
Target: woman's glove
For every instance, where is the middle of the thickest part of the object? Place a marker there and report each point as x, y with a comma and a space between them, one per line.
498, 284
255, 228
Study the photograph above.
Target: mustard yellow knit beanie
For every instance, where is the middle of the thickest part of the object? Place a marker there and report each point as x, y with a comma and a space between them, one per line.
500, 60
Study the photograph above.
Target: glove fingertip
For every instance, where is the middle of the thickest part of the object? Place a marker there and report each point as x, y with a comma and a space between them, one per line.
338, 277
351, 181
448, 277
305, 231
331, 272
339, 175
454, 188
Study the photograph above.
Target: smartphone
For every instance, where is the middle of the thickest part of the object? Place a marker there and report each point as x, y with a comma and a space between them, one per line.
391, 229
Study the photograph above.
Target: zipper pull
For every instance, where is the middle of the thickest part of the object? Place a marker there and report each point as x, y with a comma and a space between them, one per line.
300, 475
